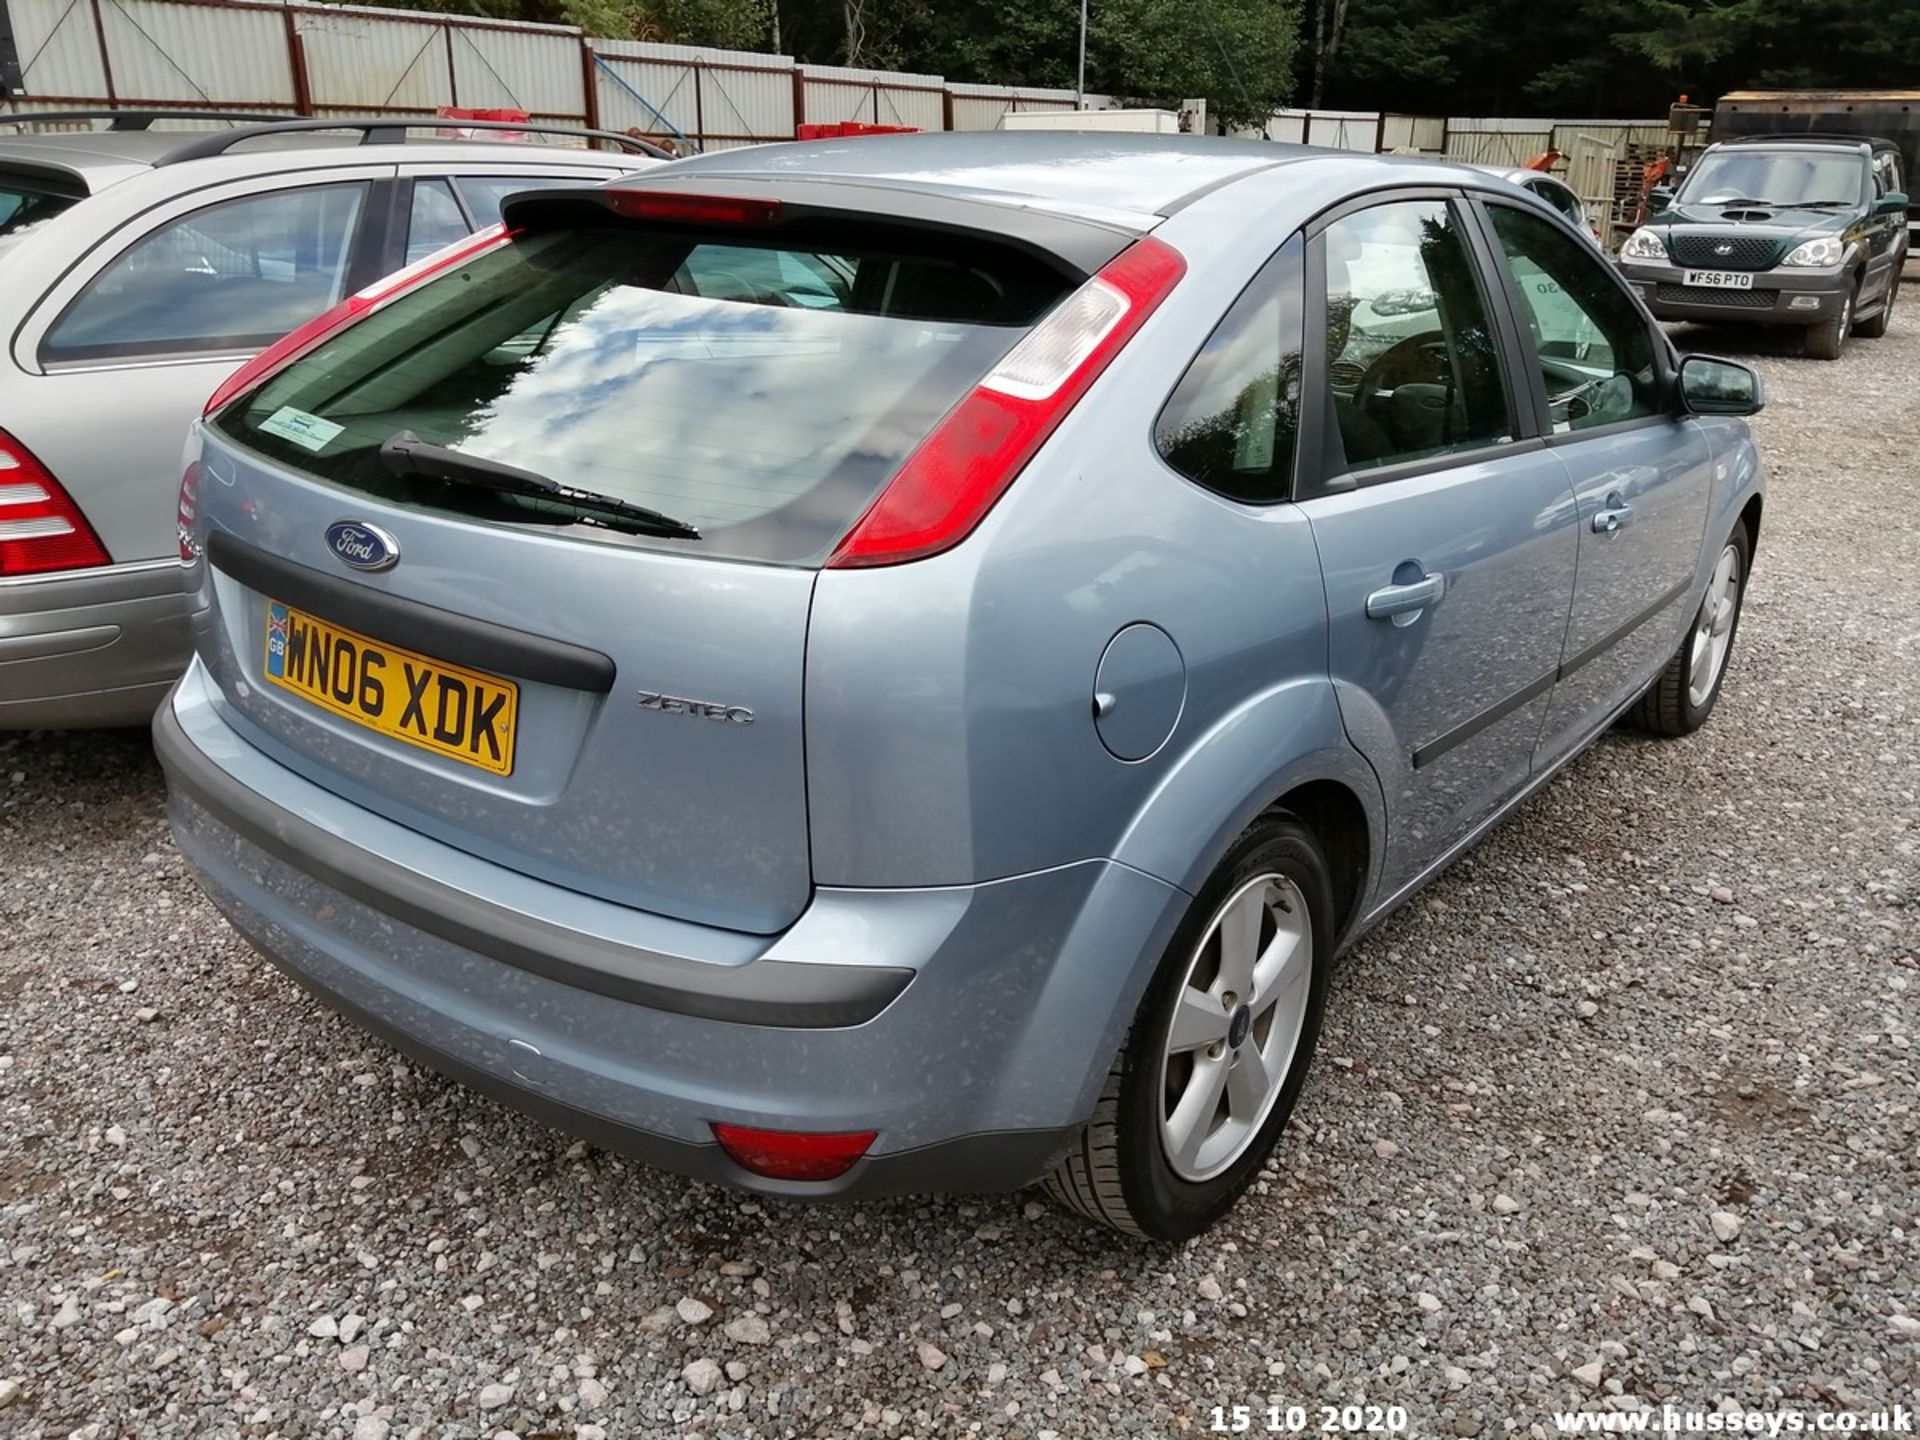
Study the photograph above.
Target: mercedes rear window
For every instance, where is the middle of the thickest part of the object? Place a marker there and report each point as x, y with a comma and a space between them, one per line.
25, 201
758, 387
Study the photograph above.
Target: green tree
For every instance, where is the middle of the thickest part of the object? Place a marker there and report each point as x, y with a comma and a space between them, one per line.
1238, 54
723, 24
1606, 57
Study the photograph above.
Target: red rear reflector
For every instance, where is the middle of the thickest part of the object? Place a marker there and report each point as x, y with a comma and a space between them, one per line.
692, 209
793, 1155
41, 529
959, 471
291, 346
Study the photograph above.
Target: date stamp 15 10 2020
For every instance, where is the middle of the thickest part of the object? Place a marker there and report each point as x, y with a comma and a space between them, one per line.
1305, 1419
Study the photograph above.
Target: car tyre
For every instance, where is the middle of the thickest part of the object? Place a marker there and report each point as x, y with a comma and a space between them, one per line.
1826, 340
1272, 892
1679, 702
1876, 327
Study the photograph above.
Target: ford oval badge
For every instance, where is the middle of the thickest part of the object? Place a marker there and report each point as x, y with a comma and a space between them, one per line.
363, 546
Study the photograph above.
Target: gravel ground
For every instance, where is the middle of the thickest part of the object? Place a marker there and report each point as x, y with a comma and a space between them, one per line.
1621, 1109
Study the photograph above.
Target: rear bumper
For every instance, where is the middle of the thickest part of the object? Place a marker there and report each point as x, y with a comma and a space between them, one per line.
93, 647
1778, 296
970, 1026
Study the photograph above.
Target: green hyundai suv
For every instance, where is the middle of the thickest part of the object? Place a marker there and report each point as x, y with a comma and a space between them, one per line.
1807, 230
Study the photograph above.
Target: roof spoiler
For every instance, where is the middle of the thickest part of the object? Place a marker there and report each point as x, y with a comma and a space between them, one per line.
1072, 245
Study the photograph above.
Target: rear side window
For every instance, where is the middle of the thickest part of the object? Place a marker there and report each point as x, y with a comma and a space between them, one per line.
24, 202
759, 391
484, 193
234, 276
434, 221
1232, 420
1561, 199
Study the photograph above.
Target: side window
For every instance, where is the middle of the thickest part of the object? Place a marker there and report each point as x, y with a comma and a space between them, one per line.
436, 221
483, 193
1231, 422
1568, 204
234, 276
1411, 356
1596, 351
1886, 174
767, 277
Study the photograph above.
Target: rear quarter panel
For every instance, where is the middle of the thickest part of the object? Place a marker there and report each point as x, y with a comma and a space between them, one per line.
950, 726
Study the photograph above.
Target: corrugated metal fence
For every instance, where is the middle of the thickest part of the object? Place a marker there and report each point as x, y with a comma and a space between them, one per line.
1594, 154
308, 59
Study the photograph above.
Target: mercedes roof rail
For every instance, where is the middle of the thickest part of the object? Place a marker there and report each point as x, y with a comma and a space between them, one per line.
391, 131
125, 120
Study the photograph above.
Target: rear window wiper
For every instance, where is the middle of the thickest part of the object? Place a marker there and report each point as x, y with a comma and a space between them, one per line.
406, 454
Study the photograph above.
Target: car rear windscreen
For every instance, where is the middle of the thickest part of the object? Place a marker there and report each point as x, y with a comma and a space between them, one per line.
760, 390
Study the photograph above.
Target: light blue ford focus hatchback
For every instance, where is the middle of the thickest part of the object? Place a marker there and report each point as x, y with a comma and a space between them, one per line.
897, 664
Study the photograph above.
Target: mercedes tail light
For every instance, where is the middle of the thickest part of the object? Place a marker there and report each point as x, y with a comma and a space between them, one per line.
41, 529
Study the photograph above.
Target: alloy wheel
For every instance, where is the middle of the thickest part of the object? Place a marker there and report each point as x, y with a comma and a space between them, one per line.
1236, 1023
1713, 630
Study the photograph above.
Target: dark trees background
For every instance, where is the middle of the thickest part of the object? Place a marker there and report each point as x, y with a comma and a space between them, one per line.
1603, 58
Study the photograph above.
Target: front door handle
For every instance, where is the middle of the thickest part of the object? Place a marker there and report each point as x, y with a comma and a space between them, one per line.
1610, 518
1402, 604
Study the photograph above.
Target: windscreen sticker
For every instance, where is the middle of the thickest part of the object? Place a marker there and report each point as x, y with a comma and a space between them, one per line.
307, 431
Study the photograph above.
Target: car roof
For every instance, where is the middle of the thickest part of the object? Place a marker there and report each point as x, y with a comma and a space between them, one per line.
1126, 178
100, 158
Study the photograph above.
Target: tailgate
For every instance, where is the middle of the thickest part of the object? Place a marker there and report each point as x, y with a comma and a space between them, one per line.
457, 692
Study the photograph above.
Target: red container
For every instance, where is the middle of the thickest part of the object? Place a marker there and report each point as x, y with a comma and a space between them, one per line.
840, 129
457, 132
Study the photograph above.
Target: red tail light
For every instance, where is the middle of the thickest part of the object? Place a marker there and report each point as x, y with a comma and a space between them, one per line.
792, 1154
41, 529
291, 346
959, 471
692, 209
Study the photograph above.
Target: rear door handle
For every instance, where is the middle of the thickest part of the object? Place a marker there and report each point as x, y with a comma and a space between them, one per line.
1402, 604
1610, 520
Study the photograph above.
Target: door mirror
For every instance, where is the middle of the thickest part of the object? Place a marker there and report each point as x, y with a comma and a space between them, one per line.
1710, 386
1894, 202
1660, 197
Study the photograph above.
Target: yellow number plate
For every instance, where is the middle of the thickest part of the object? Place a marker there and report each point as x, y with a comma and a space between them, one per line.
444, 708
